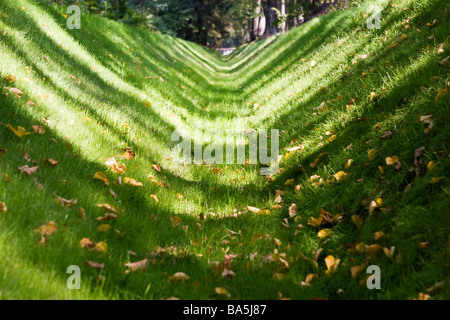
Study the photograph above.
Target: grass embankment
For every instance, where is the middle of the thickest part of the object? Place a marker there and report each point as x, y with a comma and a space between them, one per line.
332, 85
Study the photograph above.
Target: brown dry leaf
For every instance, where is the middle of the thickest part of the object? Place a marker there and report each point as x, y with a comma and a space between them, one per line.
94, 264
115, 167
389, 252
106, 217
47, 229
300, 147
51, 162
107, 207
358, 269
87, 243
178, 277
278, 195
436, 287
101, 176
132, 182
176, 221
15, 91
46, 58
154, 197
373, 249
293, 210
348, 163
179, 196
128, 155
3, 151
157, 167
64, 202
138, 265
38, 129
3, 207
29, 171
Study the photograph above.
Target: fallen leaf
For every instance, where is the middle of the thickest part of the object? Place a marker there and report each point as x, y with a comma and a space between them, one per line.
154, 197
357, 220
293, 210
132, 182
340, 176
372, 154
3, 207
176, 221
222, 292
47, 229
379, 235
101, 176
331, 263
104, 228
324, 233
87, 243
102, 246
392, 160
51, 162
38, 129
115, 167
157, 167
29, 171
20, 132
94, 264
107, 207
138, 265
178, 277
435, 180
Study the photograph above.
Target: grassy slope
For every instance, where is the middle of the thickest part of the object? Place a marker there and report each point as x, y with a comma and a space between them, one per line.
190, 85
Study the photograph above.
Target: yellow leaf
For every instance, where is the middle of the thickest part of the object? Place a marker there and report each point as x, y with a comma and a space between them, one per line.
222, 292
10, 78
104, 228
392, 160
289, 182
180, 196
102, 246
101, 176
114, 166
379, 202
357, 220
311, 277
431, 165
20, 132
340, 176
435, 180
372, 96
381, 169
47, 229
264, 212
372, 154
331, 263
360, 247
332, 138
324, 233
176, 221
154, 197
349, 163
133, 182
441, 93
3, 207
379, 235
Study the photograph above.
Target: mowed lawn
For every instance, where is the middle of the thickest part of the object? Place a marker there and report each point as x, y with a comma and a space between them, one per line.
364, 133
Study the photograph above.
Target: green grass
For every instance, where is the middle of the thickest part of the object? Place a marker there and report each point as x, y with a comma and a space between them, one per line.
190, 85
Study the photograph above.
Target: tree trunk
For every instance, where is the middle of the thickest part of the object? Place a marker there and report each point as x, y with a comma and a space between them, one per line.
271, 16
283, 15
258, 21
